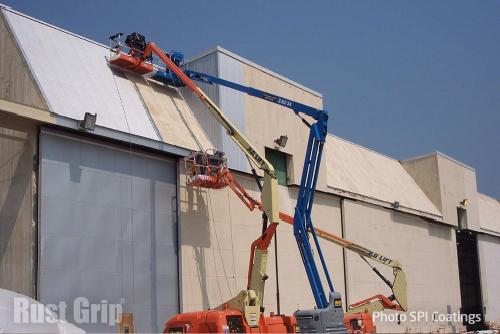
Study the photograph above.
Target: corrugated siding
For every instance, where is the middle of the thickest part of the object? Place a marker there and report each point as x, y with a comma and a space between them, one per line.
232, 103
207, 65
74, 77
118, 243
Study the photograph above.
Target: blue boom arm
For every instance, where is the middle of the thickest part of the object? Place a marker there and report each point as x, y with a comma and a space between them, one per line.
302, 222
295, 106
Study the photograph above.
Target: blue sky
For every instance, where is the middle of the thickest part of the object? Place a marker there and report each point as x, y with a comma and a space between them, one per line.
401, 77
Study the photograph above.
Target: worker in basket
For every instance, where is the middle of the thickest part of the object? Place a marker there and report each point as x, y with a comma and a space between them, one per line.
206, 168
217, 162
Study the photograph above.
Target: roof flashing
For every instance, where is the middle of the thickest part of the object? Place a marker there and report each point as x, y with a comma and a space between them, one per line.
9, 9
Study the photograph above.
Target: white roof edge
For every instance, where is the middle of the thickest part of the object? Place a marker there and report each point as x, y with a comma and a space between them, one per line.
101, 131
363, 147
9, 9
493, 198
202, 54
443, 156
252, 64
217, 48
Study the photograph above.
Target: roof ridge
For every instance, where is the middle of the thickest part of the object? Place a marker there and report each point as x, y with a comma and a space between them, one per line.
13, 11
364, 148
490, 197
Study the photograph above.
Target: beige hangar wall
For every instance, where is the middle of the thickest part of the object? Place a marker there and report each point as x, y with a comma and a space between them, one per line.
266, 121
216, 231
458, 182
447, 182
18, 146
424, 171
427, 252
17, 84
489, 214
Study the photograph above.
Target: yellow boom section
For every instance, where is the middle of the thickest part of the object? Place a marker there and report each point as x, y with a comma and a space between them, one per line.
270, 199
248, 301
376, 303
270, 186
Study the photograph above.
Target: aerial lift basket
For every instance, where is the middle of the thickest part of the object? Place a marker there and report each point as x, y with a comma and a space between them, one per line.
206, 169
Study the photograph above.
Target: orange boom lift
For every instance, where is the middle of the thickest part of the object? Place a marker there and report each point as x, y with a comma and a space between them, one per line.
208, 169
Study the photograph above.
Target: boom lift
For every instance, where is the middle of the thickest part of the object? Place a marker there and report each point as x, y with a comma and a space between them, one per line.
209, 169
139, 59
359, 312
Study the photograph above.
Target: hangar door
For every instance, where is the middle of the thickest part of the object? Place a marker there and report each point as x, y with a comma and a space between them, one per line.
108, 232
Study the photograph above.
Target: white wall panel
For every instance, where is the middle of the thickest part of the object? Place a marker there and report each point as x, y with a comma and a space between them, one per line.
108, 230
489, 254
232, 103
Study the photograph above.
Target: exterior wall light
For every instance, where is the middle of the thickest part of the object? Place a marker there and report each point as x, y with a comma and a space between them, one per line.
281, 141
88, 122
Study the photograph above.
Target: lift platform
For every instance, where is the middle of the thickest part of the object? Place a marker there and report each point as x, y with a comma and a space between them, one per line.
206, 169
209, 169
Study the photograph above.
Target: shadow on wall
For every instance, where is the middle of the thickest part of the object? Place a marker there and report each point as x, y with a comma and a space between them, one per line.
174, 96
168, 110
16, 177
406, 219
442, 232
434, 230
199, 239
184, 120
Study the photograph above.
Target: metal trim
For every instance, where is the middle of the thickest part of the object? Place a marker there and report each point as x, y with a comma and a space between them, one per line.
387, 205
100, 131
179, 239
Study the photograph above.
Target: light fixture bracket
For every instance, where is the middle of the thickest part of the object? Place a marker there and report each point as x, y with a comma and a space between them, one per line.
88, 122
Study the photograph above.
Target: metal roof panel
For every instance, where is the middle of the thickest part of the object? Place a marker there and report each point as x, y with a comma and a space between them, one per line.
74, 77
